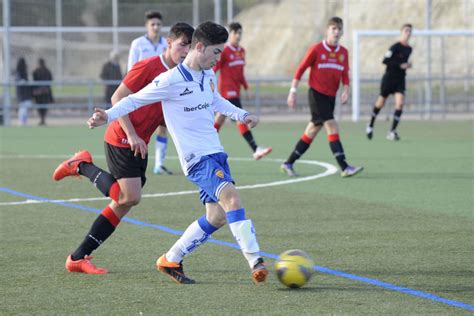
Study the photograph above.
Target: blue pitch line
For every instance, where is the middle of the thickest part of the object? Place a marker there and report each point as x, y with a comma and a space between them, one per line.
342, 274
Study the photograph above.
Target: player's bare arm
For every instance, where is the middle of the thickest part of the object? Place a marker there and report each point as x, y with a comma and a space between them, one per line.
345, 94
137, 144
405, 65
291, 100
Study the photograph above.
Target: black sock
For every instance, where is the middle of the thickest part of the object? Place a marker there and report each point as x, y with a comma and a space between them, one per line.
100, 178
375, 111
338, 152
249, 138
101, 229
299, 150
396, 119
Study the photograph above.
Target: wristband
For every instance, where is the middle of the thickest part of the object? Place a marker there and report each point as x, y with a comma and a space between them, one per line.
293, 90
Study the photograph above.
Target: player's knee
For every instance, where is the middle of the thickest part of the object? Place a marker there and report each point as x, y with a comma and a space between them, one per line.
331, 127
161, 130
380, 102
130, 200
234, 203
312, 129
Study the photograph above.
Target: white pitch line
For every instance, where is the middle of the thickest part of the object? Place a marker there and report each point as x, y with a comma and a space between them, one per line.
330, 169
41, 156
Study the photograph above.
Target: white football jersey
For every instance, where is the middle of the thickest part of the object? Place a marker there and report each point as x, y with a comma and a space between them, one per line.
142, 47
190, 100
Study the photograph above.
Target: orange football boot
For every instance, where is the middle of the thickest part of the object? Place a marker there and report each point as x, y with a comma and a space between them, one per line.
174, 270
83, 266
259, 272
69, 167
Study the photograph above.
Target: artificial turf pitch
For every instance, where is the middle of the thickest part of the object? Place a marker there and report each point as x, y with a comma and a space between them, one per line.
406, 221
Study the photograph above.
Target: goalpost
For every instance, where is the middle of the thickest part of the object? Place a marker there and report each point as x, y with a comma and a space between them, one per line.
465, 56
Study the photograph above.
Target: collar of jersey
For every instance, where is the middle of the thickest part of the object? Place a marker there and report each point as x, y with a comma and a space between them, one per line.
188, 76
151, 42
329, 47
233, 47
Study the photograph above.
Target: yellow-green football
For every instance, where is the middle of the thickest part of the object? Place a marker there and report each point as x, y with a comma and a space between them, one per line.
294, 268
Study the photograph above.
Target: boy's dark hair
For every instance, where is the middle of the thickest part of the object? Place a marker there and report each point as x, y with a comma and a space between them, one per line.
406, 25
234, 27
335, 20
153, 15
181, 29
209, 33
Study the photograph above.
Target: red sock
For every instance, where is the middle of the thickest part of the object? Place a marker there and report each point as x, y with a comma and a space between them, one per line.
114, 192
243, 128
306, 139
333, 137
110, 215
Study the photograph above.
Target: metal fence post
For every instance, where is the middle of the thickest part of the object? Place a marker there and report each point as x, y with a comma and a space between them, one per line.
6, 64
355, 78
90, 105
442, 88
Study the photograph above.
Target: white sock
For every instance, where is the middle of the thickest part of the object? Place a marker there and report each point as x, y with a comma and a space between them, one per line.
244, 234
161, 146
23, 111
194, 236
252, 258
22, 115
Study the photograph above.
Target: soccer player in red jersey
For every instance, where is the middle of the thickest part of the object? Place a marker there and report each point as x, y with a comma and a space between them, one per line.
231, 78
329, 63
149, 45
126, 143
393, 81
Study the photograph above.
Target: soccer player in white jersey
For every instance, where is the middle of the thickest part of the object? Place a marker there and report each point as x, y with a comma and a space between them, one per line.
189, 98
149, 45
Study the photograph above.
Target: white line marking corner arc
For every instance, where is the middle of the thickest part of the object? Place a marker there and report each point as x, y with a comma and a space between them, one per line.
330, 170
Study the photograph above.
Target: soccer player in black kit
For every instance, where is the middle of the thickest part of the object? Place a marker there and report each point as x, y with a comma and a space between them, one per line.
393, 81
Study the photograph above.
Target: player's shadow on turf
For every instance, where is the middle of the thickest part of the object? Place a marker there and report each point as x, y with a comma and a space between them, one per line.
417, 175
320, 289
301, 289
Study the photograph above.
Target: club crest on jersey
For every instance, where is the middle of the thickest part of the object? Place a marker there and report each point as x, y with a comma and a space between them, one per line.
341, 58
220, 173
211, 83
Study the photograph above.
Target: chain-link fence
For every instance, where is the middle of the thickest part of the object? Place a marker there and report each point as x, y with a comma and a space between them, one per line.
75, 37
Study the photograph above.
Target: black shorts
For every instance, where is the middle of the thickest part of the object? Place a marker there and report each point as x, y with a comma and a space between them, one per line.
321, 106
236, 102
123, 164
392, 85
